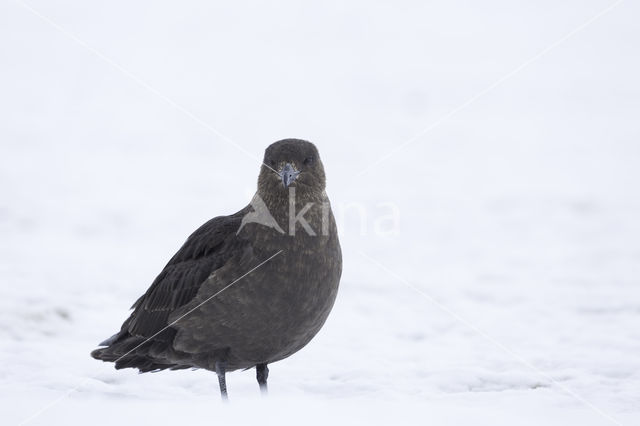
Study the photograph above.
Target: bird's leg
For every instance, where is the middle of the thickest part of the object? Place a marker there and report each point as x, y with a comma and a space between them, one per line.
262, 373
222, 381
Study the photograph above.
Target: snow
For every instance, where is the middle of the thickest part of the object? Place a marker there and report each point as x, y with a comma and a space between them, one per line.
491, 267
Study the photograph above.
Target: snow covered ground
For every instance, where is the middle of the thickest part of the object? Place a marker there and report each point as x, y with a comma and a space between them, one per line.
491, 266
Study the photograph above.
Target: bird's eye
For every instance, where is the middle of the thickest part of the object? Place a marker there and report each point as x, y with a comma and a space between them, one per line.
308, 161
273, 163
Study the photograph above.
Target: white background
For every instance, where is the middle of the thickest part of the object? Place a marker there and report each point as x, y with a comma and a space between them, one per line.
517, 215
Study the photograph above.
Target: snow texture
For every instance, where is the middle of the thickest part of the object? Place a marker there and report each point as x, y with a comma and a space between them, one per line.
491, 266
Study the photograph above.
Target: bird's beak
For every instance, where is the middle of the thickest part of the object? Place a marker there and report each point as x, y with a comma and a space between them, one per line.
288, 174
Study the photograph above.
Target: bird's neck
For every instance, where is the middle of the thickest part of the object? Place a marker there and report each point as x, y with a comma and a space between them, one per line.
306, 212
280, 201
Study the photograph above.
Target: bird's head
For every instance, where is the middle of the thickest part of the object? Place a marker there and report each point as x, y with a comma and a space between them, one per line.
291, 163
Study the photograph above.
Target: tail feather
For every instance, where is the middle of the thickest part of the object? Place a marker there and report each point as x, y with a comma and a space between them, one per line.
135, 352
110, 340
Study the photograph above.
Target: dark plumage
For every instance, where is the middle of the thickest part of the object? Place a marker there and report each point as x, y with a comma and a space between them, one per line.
188, 319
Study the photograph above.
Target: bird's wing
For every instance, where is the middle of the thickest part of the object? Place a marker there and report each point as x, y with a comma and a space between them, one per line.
206, 250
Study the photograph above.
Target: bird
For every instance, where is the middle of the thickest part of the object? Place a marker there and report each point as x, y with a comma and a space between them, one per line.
244, 290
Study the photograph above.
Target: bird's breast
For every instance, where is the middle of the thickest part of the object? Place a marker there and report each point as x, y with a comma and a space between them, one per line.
277, 307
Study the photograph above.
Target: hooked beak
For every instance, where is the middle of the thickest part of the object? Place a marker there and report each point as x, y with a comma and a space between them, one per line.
288, 174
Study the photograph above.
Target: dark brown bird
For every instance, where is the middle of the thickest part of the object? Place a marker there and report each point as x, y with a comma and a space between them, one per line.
244, 290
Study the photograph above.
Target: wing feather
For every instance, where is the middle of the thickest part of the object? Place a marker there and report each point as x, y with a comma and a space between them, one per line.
180, 280
144, 340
